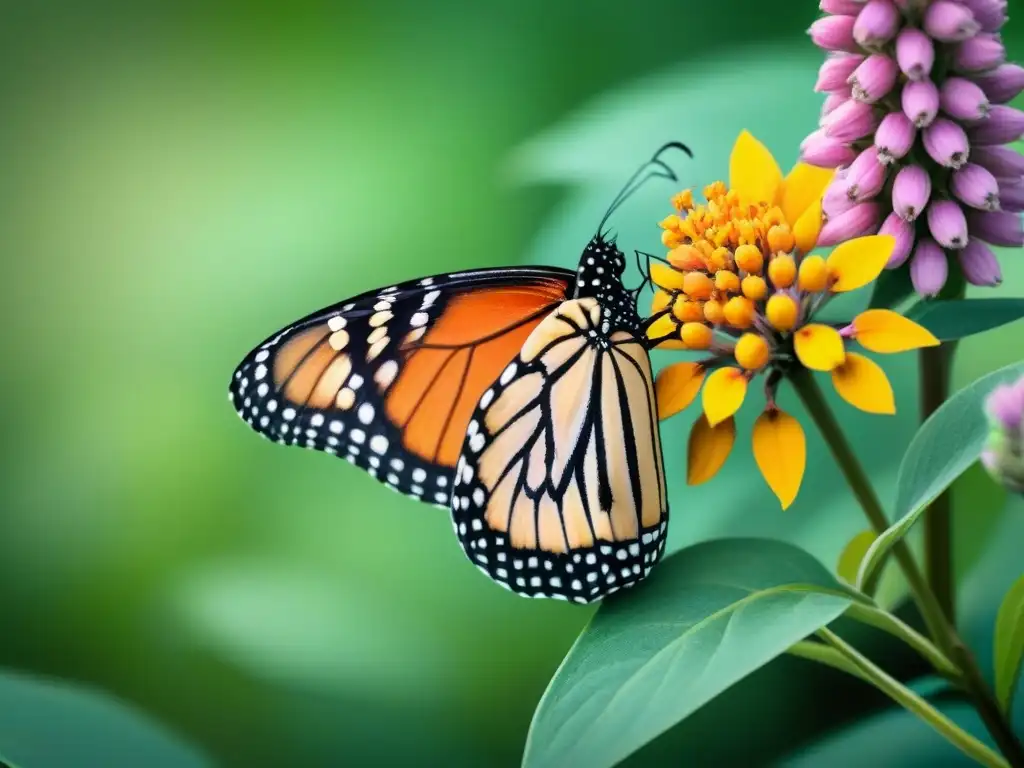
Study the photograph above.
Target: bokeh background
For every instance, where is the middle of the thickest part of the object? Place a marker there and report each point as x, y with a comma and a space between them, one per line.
177, 183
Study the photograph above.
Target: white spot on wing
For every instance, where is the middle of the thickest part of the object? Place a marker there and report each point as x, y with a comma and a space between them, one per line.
365, 413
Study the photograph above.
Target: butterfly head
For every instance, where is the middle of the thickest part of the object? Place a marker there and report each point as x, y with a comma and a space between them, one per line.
599, 275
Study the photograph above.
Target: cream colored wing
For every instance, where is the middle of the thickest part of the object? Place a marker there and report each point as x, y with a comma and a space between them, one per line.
560, 489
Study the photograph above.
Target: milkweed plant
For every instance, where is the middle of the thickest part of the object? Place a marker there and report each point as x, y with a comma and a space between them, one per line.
901, 196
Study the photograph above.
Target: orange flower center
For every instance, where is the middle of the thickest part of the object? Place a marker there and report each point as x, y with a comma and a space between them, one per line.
730, 266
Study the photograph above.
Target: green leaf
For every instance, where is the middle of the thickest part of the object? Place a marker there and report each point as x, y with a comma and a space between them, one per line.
945, 447
950, 320
1009, 644
892, 288
53, 724
709, 616
852, 555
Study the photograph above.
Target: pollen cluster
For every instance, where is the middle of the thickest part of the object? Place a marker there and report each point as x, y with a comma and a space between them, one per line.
731, 266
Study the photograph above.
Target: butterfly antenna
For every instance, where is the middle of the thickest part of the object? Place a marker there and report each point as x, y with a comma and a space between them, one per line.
653, 168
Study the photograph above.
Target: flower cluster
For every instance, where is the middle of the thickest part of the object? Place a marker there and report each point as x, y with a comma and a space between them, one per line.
741, 283
916, 119
1003, 456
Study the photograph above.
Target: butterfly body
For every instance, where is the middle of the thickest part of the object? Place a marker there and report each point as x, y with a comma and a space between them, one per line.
599, 276
520, 399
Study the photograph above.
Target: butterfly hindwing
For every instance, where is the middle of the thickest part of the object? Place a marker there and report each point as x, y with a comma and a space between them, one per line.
389, 379
560, 488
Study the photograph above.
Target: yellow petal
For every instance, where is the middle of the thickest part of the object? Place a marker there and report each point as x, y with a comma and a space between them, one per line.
819, 347
807, 227
753, 172
708, 449
780, 451
859, 261
664, 276
723, 394
863, 384
882, 330
804, 185
676, 387
666, 325
661, 300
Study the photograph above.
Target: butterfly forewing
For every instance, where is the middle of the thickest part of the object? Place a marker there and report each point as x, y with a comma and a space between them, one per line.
389, 379
560, 489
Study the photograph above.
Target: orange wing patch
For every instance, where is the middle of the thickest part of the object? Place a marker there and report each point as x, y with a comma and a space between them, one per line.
460, 356
388, 380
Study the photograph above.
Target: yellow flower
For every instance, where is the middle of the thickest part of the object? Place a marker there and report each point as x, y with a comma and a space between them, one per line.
741, 282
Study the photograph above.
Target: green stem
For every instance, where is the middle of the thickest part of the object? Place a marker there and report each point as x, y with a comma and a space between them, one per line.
913, 703
885, 621
942, 632
823, 654
936, 365
813, 399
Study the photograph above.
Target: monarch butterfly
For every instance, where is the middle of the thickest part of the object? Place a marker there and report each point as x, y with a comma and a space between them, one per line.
519, 398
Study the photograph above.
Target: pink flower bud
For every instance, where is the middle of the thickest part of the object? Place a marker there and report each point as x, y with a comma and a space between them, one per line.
910, 191
1005, 406
1011, 197
963, 99
877, 23
997, 227
894, 137
915, 53
1004, 124
842, 7
851, 121
947, 223
833, 100
835, 71
860, 220
946, 143
921, 102
978, 53
874, 78
928, 268
824, 152
834, 33
836, 201
975, 186
866, 176
1002, 162
979, 264
1002, 84
949, 22
903, 232
990, 14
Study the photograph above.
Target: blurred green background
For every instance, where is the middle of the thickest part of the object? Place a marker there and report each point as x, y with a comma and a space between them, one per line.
179, 183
